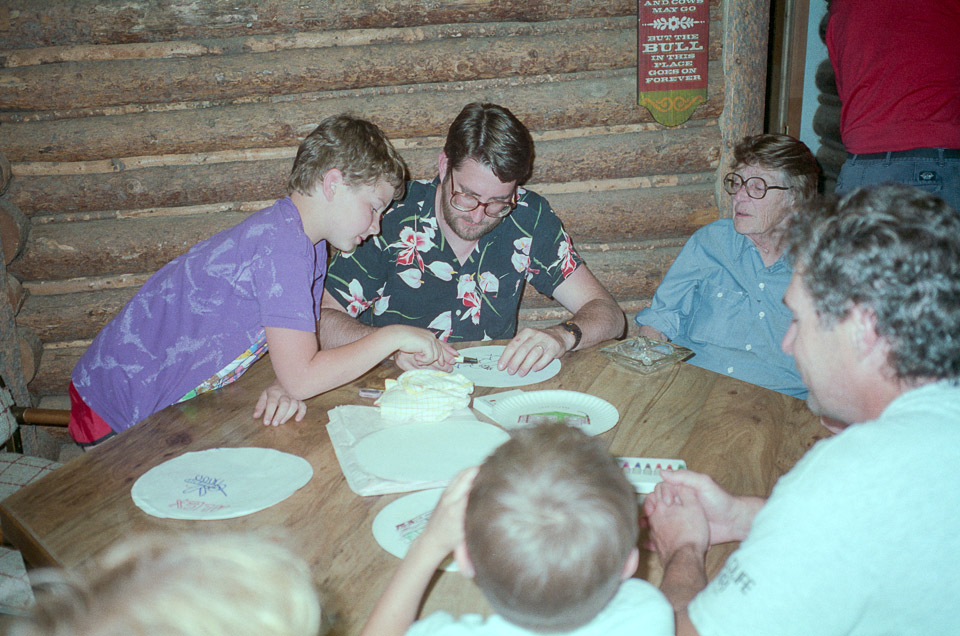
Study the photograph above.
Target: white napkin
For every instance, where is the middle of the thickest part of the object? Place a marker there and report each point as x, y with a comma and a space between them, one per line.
424, 395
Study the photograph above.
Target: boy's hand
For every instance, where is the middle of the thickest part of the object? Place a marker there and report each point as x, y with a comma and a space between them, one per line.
444, 531
277, 407
397, 608
418, 349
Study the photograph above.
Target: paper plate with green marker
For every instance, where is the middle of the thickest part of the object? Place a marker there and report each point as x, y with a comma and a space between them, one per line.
589, 413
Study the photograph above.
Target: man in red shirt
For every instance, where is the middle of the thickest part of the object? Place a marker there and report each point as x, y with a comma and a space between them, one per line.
897, 66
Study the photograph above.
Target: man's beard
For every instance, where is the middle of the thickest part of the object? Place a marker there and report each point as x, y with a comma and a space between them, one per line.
463, 231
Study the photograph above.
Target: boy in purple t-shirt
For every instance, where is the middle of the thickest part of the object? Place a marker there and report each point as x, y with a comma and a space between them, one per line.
206, 316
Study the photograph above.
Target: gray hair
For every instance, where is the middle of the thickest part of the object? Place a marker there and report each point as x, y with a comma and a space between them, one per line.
783, 153
895, 250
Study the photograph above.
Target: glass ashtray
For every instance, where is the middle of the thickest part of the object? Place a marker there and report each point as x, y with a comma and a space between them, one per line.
646, 355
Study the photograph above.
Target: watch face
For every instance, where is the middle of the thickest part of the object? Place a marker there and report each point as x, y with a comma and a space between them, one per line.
573, 328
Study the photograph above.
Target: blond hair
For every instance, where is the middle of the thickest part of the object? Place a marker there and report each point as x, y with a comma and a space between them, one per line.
550, 523
179, 585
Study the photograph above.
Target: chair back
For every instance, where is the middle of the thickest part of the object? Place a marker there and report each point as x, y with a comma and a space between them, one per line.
8, 421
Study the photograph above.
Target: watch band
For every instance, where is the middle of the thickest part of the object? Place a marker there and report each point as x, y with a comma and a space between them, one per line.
573, 328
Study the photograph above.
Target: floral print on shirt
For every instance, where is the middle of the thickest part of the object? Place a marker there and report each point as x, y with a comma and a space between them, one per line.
410, 275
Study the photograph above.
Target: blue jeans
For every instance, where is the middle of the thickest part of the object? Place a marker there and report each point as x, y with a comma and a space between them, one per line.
933, 170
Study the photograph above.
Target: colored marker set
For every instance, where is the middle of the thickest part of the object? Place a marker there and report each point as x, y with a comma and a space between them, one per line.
643, 472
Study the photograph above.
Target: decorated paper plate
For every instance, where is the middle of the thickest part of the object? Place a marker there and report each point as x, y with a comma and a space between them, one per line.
220, 483
403, 520
429, 451
485, 372
587, 412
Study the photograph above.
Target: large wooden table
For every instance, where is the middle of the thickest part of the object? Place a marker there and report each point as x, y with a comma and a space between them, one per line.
742, 435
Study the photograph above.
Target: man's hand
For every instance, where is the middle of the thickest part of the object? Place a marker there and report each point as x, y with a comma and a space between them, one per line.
677, 521
533, 349
729, 517
277, 407
680, 535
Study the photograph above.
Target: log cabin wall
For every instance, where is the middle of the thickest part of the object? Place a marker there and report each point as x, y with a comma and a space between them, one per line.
136, 129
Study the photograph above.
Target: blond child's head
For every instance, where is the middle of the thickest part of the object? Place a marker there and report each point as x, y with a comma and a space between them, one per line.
551, 528
180, 585
355, 147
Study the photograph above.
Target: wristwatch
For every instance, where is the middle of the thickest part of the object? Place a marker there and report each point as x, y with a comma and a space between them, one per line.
573, 328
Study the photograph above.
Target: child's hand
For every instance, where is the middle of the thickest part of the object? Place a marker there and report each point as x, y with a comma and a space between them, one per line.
444, 531
277, 407
397, 608
418, 348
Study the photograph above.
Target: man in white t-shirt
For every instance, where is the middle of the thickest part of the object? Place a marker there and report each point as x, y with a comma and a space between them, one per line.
862, 536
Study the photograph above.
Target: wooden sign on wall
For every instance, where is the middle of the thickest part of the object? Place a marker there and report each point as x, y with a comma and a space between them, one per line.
672, 38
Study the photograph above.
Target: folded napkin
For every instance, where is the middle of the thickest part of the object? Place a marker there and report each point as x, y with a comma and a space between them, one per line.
424, 395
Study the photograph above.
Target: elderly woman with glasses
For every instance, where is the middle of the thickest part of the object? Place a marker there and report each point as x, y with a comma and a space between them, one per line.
722, 297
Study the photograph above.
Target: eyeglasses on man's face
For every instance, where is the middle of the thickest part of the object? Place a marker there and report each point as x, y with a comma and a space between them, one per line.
466, 202
756, 186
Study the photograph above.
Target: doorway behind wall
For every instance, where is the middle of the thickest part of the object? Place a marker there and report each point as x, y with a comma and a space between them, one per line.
800, 83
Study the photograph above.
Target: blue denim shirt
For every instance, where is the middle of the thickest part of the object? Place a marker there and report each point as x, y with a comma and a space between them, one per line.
719, 300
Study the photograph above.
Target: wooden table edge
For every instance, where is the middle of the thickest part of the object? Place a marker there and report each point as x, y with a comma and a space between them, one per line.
35, 555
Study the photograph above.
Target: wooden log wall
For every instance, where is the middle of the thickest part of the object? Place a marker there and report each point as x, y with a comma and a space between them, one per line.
134, 130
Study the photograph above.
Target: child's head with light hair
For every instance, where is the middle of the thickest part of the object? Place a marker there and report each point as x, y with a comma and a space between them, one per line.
179, 585
551, 528
359, 149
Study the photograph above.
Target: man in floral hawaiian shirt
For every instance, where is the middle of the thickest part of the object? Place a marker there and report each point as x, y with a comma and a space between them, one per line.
453, 255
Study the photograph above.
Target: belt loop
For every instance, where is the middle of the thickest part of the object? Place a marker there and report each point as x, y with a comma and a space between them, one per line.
887, 159
941, 152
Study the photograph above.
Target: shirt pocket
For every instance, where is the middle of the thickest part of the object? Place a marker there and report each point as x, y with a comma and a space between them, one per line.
721, 316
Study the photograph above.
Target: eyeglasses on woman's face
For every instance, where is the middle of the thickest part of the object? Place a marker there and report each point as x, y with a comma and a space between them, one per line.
756, 186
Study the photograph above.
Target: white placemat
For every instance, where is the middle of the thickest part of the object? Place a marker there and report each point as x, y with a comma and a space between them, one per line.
351, 423
403, 520
428, 451
220, 483
485, 372
603, 415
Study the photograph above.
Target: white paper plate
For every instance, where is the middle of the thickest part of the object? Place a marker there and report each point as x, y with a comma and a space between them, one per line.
430, 451
220, 483
403, 520
603, 415
485, 372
